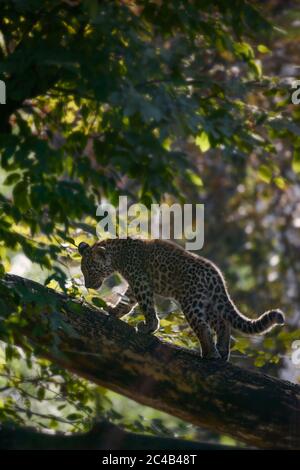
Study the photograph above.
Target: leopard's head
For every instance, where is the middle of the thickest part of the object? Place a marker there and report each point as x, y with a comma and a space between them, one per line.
95, 264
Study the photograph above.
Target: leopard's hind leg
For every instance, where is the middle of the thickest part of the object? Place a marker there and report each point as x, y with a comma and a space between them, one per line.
223, 331
196, 318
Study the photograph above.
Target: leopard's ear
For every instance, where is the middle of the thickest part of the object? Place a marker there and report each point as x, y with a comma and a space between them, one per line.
100, 250
83, 247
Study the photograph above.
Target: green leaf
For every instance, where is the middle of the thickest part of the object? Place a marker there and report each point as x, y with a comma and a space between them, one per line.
98, 302
150, 112
202, 141
194, 178
296, 161
244, 49
41, 393
280, 182
265, 173
256, 67
263, 49
12, 179
260, 361
20, 195
74, 416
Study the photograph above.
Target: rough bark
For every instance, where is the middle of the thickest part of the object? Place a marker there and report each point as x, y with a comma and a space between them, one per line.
254, 408
103, 436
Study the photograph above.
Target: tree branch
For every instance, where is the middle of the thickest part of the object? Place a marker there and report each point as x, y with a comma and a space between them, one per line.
252, 407
103, 436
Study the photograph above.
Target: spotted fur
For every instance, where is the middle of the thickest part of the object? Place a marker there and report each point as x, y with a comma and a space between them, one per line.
195, 283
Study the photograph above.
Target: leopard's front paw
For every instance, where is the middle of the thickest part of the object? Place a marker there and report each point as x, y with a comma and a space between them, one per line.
147, 328
213, 355
225, 356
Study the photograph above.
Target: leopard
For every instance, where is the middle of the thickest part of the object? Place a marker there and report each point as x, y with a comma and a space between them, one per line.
156, 267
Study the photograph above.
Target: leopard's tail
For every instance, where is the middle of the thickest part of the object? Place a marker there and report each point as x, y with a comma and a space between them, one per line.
262, 324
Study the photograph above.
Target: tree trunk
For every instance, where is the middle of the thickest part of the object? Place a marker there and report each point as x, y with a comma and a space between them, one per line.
252, 407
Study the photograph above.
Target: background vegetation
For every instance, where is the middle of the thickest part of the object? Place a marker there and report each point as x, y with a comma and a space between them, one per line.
159, 101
